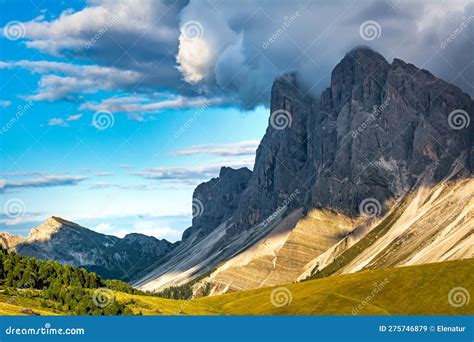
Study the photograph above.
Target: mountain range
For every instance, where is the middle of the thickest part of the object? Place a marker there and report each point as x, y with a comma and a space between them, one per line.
376, 172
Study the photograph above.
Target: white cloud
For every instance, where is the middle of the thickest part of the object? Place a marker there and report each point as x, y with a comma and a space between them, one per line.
5, 103
195, 173
246, 147
147, 105
103, 227
77, 31
57, 122
23, 219
74, 117
151, 228
63, 80
41, 182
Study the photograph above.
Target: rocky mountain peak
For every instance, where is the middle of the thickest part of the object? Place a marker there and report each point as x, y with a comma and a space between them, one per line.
51, 226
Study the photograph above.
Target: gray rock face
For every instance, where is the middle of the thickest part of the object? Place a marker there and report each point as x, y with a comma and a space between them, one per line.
109, 256
372, 134
216, 200
280, 165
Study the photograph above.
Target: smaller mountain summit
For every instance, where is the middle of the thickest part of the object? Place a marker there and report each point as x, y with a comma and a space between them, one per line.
69, 243
52, 225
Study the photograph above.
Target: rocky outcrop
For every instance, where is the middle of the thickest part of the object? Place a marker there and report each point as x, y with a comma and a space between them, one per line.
109, 256
379, 131
9, 241
216, 200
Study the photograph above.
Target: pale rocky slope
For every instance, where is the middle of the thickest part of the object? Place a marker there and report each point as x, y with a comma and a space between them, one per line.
432, 224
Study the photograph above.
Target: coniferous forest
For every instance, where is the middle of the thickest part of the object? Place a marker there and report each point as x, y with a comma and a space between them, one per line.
61, 287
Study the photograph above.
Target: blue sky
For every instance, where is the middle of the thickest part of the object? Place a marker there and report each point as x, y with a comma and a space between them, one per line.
112, 111
55, 162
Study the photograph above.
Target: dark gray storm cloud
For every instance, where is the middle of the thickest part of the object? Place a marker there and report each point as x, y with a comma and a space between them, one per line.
234, 49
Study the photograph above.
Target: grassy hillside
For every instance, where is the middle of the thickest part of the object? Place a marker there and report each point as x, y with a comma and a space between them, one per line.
414, 290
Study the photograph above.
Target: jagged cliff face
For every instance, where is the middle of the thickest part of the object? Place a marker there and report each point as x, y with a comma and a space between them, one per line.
380, 131
215, 201
372, 134
109, 256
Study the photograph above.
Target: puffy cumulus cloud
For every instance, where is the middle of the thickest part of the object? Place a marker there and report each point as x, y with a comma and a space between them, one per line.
140, 37
244, 45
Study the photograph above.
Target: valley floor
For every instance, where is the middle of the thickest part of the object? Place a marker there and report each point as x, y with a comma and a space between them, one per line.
431, 289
